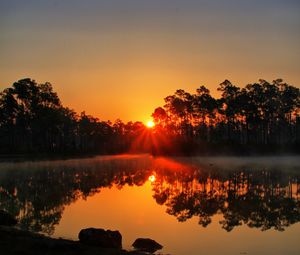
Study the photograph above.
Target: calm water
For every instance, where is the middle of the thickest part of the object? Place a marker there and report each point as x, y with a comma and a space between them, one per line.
190, 205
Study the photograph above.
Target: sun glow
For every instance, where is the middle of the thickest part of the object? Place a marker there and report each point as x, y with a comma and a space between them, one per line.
150, 124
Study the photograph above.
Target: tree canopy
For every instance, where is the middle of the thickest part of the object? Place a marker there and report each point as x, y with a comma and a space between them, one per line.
260, 114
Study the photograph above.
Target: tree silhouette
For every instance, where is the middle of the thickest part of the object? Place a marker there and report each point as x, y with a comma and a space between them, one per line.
262, 115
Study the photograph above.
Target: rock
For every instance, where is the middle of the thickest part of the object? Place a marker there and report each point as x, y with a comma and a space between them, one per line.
6, 219
137, 253
100, 237
146, 244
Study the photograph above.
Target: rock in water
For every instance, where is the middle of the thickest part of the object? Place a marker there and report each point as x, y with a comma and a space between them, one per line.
146, 244
6, 219
100, 237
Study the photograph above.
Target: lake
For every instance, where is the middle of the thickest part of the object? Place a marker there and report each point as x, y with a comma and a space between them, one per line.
195, 205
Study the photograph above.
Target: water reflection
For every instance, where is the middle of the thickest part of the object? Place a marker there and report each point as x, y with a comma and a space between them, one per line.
261, 196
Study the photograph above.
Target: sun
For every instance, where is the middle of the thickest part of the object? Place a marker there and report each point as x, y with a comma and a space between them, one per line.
150, 124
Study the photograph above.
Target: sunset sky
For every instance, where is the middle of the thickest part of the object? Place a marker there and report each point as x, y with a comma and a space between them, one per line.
120, 58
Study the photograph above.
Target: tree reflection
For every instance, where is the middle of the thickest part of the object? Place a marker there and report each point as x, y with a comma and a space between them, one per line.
260, 199
37, 193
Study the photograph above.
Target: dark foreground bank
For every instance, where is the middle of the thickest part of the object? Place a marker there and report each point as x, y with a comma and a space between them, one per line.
14, 241
91, 241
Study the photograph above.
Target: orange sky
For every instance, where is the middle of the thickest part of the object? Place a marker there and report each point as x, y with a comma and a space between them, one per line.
119, 59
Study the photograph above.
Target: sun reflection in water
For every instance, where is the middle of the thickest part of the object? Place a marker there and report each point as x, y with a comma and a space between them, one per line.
152, 178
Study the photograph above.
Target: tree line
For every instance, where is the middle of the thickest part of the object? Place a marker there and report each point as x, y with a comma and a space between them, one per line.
260, 115
33, 119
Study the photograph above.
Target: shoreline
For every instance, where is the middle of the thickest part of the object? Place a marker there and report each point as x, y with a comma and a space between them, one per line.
19, 157
14, 241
